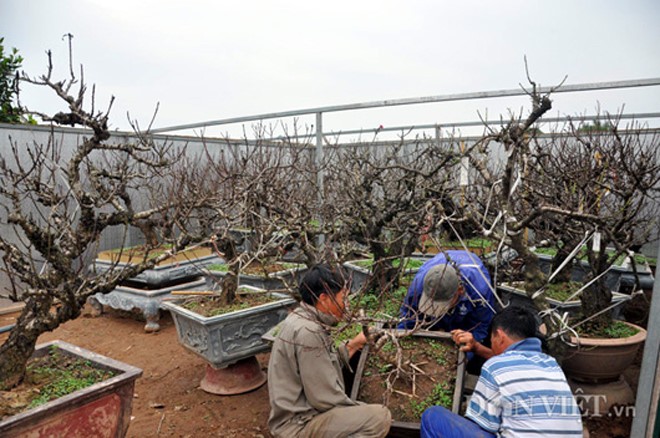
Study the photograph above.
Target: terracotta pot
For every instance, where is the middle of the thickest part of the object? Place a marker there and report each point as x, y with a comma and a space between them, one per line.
100, 410
600, 360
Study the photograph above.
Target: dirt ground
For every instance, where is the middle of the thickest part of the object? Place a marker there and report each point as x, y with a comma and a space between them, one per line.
168, 401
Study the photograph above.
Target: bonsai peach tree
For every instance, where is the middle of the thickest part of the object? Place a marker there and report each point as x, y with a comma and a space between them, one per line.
57, 203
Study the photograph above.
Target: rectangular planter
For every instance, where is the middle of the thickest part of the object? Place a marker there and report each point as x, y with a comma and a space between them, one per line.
225, 339
183, 265
619, 277
361, 275
519, 297
401, 429
100, 410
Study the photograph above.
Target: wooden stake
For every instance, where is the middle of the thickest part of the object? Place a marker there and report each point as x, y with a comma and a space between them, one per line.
193, 292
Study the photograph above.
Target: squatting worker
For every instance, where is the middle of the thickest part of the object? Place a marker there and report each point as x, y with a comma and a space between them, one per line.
305, 383
521, 391
452, 292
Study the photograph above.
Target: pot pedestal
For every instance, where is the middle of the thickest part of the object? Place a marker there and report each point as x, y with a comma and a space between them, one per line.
596, 399
243, 376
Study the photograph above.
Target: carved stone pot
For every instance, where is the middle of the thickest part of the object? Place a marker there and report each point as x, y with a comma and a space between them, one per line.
285, 279
146, 291
361, 274
229, 342
515, 295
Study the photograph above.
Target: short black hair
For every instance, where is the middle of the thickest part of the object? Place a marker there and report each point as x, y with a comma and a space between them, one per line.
516, 321
319, 279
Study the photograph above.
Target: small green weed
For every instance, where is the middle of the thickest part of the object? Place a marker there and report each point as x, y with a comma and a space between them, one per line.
618, 329
440, 396
62, 375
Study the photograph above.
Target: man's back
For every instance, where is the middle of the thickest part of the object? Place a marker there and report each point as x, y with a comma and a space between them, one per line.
523, 392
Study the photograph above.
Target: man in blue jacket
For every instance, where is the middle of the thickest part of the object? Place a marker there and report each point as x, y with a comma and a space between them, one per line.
453, 292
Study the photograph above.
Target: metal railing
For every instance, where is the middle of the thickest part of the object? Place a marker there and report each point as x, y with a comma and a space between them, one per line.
415, 101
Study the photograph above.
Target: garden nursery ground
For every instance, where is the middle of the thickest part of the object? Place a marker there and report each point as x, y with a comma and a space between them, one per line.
168, 401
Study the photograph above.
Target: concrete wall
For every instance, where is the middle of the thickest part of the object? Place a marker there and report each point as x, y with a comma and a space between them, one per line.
25, 136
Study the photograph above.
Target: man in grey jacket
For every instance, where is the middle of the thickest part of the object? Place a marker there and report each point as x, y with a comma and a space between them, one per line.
305, 383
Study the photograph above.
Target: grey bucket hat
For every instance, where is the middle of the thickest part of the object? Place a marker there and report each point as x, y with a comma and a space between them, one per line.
440, 285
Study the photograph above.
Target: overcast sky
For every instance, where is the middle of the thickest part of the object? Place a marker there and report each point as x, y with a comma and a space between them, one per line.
206, 60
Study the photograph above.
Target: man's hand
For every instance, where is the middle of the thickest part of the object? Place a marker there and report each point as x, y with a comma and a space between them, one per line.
356, 344
464, 339
467, 344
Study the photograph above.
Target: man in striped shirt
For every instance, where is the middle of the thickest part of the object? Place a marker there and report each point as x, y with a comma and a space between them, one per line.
521, 391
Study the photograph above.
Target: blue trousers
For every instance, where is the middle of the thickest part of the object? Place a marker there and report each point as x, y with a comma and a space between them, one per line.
438, 422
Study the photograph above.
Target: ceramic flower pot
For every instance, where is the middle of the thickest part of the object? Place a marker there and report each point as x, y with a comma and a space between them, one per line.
600, 360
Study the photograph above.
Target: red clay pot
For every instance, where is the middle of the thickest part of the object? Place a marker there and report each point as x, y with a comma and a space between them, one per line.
101, 410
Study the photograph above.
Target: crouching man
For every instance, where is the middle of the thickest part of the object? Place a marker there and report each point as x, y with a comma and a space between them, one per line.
521, 391
305, 383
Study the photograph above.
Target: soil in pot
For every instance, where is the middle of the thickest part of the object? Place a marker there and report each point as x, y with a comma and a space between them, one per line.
477, 245
428, 377
49, 377
214, 306
613, 330
256, 268
563, 291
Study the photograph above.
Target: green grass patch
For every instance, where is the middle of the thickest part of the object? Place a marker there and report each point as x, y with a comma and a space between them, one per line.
257, 269
374, 305
57, 374
214, 306
614, 330
640, 259
344, 332
562, 291
618, 329
475, 242
442, 395
218, 267
409, 263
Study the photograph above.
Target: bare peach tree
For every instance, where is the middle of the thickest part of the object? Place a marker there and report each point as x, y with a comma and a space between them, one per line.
57, 205
388, 196
601, 182
561, 188
496, 200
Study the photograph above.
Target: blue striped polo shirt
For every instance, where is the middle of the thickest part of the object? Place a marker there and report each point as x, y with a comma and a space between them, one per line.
523, 393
